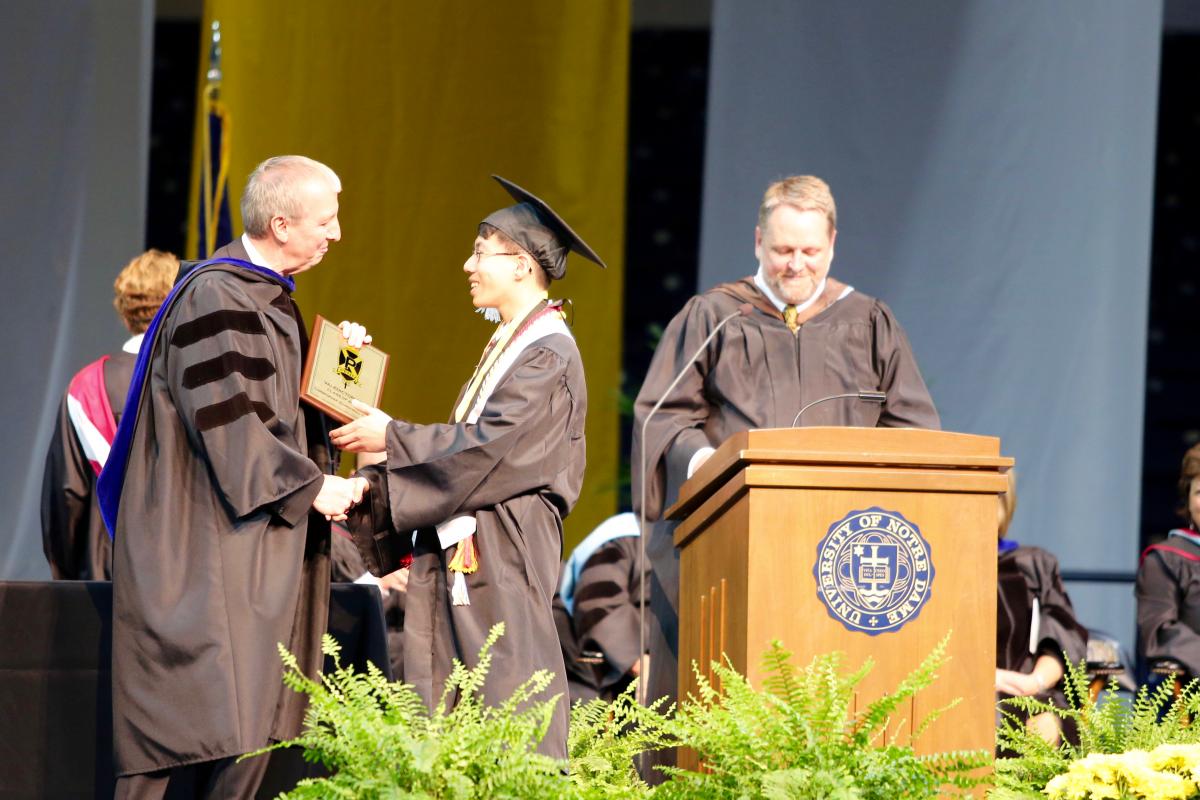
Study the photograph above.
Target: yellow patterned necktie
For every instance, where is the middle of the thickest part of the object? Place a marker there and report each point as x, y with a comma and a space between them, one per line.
789, 318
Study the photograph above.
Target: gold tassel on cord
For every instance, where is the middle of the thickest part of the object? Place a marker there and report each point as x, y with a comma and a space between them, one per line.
465, 560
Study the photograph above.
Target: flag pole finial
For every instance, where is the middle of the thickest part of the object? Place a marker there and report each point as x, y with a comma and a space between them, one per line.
214, 58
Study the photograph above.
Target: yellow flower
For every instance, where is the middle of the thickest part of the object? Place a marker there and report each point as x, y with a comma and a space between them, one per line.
1147, 776
1178, 757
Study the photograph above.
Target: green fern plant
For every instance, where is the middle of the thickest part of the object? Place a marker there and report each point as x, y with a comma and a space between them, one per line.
1107, 725
795, 739
379, 741
798, 738
606, 738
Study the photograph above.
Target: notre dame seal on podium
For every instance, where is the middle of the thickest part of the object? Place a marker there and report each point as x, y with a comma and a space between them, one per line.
874, 571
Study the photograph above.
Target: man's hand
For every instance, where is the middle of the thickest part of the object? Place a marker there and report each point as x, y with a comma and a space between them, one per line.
354, 334
1018, 684
338, 495
395, 581
366, 434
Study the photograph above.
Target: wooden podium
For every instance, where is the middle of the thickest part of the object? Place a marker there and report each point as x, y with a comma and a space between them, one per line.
873, 541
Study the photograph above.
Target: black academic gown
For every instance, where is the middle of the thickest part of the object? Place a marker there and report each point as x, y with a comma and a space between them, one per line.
606, 613
519, 471
217, 557
74, 539
1023, 574
1168, 604
581, 678
757, 374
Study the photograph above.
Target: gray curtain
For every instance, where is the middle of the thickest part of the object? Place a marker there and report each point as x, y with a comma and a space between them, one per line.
993, 163
73, 164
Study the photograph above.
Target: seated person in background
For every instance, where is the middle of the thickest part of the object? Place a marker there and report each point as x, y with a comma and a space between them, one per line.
74, 539
349, 567
1168, 583
581, 679
1035, 624
596, 610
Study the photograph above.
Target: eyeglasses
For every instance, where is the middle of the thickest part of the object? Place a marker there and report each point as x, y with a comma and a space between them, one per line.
479, 255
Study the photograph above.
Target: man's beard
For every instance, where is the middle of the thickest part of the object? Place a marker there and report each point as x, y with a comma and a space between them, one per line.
776, 285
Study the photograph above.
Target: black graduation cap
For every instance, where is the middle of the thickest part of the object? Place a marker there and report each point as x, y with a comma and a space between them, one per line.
539, 231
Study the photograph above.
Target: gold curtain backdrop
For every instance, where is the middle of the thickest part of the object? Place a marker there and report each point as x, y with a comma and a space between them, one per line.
415, 104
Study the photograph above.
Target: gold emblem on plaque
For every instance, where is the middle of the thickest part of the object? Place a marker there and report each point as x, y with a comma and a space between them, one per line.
349, 365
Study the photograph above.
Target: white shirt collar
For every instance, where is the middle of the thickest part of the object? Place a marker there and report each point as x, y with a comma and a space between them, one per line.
760, 281
255, 256
134, 344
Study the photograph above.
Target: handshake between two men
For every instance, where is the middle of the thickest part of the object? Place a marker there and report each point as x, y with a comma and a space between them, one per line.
367, 434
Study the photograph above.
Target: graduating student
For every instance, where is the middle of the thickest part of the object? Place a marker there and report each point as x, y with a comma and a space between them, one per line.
803, 336
74, 538
487, 492
218, 494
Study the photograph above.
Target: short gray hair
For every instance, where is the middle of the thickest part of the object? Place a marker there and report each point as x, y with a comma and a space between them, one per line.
271, 190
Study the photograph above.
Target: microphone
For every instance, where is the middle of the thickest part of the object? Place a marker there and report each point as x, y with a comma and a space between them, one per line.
861, 394
744, 310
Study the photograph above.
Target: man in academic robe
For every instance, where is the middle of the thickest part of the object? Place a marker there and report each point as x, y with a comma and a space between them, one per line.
598, 623
219, 494
74, 538
487, 492
801, 336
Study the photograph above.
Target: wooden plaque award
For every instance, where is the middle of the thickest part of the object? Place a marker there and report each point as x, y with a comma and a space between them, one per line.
336, 373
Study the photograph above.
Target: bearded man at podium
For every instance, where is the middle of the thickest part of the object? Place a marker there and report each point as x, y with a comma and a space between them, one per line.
790, 335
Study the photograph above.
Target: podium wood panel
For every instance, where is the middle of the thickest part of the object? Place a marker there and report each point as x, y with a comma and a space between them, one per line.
754, 515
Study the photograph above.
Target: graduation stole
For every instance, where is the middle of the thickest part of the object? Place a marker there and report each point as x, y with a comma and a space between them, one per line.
496, 346
506, 344
1186, 534
91, 414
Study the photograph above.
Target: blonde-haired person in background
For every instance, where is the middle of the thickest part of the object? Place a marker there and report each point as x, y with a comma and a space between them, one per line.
76, 544
1035, 623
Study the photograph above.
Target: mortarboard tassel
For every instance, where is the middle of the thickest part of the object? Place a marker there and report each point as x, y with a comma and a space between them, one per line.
465, 560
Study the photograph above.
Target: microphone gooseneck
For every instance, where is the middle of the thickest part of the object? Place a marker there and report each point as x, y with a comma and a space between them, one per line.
861, 394
745, 309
